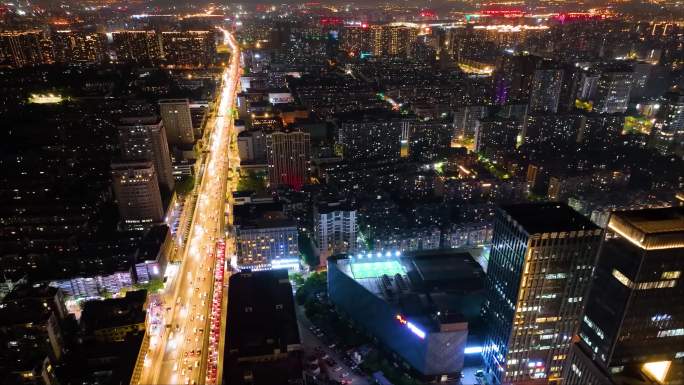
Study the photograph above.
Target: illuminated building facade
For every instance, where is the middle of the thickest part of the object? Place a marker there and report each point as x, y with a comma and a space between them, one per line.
420, 306
265, 238
466, 121
79, 46
612, 91
137, 193
668, 131
144, 138
24, 48
546, 89
138, 47
175, 114
191, 48
634, 320
539, 269
373, 135
335, 228
356, 40
288, 156
393, 40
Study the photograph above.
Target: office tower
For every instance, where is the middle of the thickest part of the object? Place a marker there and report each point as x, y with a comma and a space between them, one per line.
175, 114
79, 46
144, 138
633, 325
612, 90
190, 48
335, 228
497, 136
538, 274
23, 48
262, 336
546, 89
137, 193
668, 130
375, 135
143, 47
288, 155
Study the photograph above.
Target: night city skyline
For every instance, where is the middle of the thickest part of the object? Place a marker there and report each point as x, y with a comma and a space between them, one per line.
455, 192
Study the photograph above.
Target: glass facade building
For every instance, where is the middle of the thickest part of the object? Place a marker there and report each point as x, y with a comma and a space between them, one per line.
539, 270
633, 327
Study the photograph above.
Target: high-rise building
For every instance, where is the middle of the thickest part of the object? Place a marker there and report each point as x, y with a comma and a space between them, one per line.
144, 138
23, 48
356, 40
513, 78
288, 155
175, 114
190, 48
539, 269
375, 135
137, 193
335, 228
668, 130
138, 47
546, 89
612, 90
79, 46
466, 121
393, 40
633, 326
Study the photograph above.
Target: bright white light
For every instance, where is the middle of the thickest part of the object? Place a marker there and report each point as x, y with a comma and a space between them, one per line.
658, 370
421, 334
473, 350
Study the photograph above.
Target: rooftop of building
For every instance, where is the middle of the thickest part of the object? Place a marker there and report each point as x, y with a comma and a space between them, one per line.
31, 291
548, 217
261, 314
261, 215
114, 312
658, 228
25, 311
428, 285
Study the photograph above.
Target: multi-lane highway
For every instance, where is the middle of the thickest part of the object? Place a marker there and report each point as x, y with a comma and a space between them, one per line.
178, 352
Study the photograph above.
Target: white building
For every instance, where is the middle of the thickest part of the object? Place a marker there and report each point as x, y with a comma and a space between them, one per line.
335, 228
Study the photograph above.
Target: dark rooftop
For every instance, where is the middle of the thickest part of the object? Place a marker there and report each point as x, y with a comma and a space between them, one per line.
114, 312
547, 217
261, 215
653, 221
261, 314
